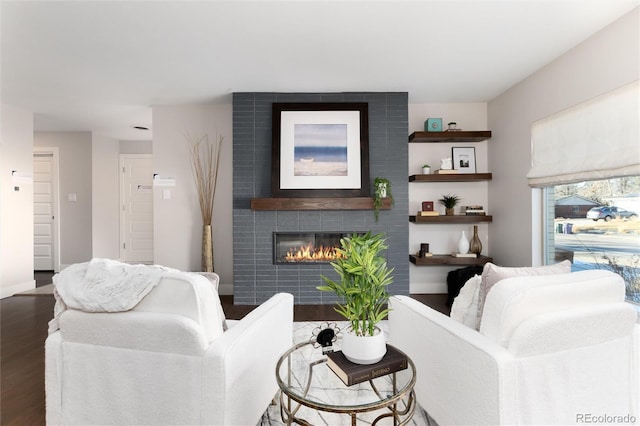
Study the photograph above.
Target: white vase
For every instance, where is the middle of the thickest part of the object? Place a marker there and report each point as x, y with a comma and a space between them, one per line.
463, 244
382, 190
426, 170
363, 349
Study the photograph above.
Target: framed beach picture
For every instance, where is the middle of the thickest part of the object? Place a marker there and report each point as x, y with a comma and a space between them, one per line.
320, 150
464, 159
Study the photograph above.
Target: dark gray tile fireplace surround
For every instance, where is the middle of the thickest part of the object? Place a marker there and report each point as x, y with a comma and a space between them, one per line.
256, 278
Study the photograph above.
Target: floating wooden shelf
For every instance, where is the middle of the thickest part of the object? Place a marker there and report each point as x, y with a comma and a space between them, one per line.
333, 203
447, 259
461, 136
450, 219
460, 177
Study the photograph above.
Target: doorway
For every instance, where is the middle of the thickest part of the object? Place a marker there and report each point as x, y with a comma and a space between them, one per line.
46, 211
136, 213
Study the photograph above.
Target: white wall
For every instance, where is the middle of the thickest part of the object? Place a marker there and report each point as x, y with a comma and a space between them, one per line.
105, 198
607, 60
443, 238
136, 147
16, 207
74, 178
177, 221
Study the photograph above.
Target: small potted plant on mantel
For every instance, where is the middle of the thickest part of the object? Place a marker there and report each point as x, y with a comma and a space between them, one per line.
364, 277
381, 189
426, 169
449, 202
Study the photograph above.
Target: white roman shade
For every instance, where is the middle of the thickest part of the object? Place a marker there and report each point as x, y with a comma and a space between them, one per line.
597, 139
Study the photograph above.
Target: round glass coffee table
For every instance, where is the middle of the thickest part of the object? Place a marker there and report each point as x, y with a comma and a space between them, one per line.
311, 393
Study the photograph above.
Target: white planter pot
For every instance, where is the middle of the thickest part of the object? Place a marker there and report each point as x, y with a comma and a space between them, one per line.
426, 170
382, 190
363, 349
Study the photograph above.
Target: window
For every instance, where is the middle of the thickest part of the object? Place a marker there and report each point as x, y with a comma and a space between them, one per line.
595, 224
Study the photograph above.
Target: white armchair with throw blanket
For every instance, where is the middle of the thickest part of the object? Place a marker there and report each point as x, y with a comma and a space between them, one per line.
162, 353
554, 349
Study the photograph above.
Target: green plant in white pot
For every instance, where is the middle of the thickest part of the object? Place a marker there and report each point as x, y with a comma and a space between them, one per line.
364, 277
381, 190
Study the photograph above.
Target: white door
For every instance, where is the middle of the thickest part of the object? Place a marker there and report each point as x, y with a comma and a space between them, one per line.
136, 219
44, 211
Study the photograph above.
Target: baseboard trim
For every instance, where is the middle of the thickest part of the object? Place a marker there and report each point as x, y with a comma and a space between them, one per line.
427, 288
17, 288
225, 289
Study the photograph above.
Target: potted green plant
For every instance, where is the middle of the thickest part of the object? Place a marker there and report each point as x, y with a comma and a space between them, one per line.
362, 286
426, 169
381, 189
449, 202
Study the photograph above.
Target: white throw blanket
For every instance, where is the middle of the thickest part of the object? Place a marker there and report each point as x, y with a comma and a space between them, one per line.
103, 285
465, 305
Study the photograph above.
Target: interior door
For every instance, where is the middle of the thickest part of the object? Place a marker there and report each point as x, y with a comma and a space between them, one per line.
136, 219
43, 212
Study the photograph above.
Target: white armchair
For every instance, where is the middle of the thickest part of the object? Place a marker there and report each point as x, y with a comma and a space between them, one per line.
551, 350
167, 361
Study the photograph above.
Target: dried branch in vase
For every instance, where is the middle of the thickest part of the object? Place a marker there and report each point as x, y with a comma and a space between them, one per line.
205, 159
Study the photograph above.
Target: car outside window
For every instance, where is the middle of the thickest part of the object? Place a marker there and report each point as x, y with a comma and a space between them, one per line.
595, 224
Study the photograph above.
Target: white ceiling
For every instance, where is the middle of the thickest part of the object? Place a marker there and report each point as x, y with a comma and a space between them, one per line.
100, 66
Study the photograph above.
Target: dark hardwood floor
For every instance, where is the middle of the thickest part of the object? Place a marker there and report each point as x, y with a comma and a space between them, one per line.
23, 331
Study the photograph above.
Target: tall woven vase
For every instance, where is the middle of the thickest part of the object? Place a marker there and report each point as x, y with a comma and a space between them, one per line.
476, 245
207, 249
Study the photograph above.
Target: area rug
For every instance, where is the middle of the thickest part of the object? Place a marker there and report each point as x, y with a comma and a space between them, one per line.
303, 331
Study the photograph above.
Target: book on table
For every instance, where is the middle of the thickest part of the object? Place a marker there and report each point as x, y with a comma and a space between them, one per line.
350, 373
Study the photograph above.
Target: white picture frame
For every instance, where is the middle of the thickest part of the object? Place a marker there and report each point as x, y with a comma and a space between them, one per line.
464, 159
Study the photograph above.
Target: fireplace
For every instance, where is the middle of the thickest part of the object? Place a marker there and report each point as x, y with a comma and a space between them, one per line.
291, 248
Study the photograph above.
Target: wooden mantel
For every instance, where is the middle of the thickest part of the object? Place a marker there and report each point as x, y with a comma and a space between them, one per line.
332, 203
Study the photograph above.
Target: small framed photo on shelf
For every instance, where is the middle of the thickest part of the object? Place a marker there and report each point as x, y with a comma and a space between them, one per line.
464, 159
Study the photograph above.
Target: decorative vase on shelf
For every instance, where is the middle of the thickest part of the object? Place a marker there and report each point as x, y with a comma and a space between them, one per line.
476, 245
449, 211
463, 244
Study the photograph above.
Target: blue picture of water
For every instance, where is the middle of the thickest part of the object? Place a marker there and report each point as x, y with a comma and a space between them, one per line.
320, 153
320, 150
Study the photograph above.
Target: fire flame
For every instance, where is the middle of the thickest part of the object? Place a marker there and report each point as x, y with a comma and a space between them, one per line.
309, 253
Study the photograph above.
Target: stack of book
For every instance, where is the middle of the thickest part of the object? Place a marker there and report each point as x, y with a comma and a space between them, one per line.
427, 254
350, 373
446, 172
428, 213
474, 210
464, 255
